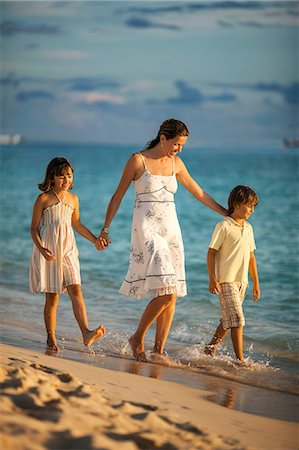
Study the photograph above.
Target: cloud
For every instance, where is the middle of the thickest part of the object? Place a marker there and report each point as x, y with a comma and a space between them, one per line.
104, 97
25, 96
140, 22
12, 27
227, 5
67, 54
224, 97
155, 9
224, 23
139, 85
31, 46
198, 6
90, 84
11, 80
290, 93
188, 95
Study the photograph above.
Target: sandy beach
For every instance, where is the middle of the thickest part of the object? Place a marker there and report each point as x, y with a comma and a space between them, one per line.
54, 403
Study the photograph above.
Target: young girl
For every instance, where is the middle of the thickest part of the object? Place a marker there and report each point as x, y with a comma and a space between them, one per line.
54, 264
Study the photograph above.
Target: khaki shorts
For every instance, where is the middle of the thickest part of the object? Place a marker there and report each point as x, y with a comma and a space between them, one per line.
231, 300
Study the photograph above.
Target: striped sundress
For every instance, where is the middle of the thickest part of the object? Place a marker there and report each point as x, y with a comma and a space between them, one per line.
57, 235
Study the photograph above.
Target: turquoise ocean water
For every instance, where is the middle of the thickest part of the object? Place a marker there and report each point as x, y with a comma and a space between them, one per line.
271, 336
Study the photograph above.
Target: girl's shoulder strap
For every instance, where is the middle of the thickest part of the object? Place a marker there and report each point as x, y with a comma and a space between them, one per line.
56, 195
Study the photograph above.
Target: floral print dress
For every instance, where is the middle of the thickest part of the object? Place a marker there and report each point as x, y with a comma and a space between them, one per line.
156, 265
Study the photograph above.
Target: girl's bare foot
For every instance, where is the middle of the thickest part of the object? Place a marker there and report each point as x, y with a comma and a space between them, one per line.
137, 348
52, 345
92, 336
210, 350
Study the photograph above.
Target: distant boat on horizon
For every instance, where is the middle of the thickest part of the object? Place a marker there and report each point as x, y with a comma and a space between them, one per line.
10, 139
291, 143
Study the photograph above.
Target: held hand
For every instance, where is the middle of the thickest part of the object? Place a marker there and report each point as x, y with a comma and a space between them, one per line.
47, 254
214, 287
256, 293
99, 245
103, 241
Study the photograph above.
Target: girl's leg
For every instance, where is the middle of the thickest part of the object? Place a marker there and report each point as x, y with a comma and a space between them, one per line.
163, 325
237, 340
50, 320
218, 337
76, 296
151, 312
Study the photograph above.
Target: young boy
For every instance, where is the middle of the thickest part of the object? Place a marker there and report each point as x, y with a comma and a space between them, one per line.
230, 255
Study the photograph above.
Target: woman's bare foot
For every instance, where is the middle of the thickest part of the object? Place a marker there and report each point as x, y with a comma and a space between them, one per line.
210, 350
161, 358
52, 344
92, 336
137, 348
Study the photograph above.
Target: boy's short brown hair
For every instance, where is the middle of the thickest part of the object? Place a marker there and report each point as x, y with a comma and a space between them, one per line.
239, 195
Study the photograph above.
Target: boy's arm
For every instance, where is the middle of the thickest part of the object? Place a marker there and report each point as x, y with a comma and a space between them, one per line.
214, 286
256, 292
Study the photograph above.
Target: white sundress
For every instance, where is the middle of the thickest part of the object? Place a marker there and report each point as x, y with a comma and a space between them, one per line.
57, 235
156, 265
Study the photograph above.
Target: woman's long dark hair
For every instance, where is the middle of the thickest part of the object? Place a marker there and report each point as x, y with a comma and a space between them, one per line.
170, 128
56, 167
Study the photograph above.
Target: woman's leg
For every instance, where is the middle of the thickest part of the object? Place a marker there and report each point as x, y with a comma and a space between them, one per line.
76, 296
50, 310
163, 325
151, 312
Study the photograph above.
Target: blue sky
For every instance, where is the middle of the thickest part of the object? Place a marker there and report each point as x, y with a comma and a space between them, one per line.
112, 71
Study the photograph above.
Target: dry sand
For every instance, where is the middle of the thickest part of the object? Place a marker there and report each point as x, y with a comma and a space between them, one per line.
53, 403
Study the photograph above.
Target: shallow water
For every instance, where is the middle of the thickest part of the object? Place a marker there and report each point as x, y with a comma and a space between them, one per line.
271, 337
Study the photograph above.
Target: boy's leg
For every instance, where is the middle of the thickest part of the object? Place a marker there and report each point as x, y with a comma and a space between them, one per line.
50, 319
237, 340
218, 337
76, 296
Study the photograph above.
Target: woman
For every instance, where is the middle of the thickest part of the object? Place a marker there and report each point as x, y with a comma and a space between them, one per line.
156, 266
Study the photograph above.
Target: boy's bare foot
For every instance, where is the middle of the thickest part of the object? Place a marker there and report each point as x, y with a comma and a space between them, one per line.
210, 350
92, 336
137, 349
52, 345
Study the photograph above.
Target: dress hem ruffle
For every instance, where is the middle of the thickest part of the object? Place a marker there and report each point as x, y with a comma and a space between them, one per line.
153, 293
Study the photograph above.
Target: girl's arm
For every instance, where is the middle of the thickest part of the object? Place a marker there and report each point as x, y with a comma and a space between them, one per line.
36, 218
256, 292
131, 170
214, 286
190, 184
78, 226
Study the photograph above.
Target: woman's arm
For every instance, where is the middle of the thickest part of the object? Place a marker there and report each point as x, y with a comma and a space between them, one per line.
131, 172
190, 184
36, 218
78, 226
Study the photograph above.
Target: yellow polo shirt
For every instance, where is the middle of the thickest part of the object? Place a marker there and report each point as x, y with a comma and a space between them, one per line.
233, 243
